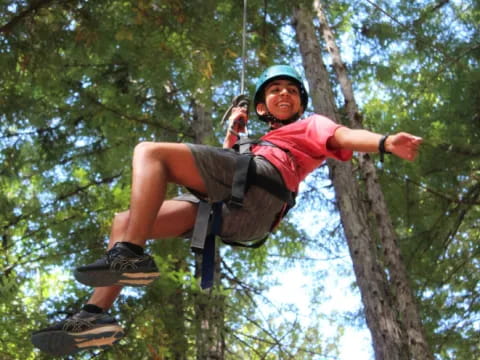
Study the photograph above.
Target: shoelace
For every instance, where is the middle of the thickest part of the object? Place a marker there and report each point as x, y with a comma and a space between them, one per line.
119, 262
75, 324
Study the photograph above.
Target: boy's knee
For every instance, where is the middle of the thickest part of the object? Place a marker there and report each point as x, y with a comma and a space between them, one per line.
149, 150
143, 148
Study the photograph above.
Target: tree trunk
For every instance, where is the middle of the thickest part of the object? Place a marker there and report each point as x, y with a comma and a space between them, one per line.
390, 310
175, 320
209, 305
209, 318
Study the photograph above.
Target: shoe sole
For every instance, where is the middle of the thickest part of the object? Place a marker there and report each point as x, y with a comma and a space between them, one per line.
110, 278
61, 343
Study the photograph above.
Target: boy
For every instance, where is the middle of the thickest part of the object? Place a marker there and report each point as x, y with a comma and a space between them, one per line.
286, 155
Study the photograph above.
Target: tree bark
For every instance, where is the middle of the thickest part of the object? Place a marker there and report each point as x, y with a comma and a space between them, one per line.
174, 320
209, 318
390, 309
209, 305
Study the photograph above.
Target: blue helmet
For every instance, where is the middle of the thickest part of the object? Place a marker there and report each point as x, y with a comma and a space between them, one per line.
280, 72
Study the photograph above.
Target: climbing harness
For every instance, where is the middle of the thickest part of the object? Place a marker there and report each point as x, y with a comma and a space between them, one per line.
209, 215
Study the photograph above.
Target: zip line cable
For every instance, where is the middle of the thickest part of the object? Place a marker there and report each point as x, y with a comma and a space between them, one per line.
240, 100
244, 40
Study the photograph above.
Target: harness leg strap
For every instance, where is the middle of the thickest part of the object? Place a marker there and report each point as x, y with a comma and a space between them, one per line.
201, 227
240, 180
208, 260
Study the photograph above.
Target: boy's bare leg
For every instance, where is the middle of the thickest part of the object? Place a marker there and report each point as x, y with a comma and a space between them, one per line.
154, 166
174, 219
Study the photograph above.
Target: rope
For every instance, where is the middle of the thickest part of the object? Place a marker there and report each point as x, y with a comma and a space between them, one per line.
240, 100
244, 36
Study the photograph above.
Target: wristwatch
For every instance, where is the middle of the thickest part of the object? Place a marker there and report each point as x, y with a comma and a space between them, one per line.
381, 147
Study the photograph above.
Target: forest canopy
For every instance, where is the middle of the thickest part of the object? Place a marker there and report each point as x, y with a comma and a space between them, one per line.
82, 82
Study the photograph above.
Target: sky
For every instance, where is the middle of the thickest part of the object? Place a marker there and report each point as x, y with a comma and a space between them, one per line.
340, 297
356, 342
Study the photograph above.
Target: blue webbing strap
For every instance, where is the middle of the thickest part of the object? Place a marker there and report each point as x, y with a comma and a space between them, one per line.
208, 260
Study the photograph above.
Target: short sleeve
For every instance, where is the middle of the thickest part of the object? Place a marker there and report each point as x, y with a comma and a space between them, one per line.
320, 129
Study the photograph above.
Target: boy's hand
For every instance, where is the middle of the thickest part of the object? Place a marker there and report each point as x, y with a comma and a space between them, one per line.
238, 120
237, 123
404, 145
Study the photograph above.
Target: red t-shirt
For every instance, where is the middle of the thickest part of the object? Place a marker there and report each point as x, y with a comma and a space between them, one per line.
306, 142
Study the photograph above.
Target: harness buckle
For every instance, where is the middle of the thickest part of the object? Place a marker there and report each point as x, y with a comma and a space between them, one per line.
235, 202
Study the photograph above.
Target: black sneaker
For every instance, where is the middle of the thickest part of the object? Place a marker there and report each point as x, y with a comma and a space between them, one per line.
120, 266
82, 331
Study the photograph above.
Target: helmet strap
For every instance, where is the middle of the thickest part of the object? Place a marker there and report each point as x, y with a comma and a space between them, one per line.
276, 123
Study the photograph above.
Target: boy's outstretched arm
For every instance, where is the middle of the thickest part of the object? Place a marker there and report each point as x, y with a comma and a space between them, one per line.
402, 144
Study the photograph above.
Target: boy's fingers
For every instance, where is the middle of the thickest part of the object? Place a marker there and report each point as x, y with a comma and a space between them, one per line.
239, 112
238, 119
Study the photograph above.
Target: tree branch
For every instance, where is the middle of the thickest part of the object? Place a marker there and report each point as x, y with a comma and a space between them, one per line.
30, 11
80, 189
122, 115
465, 200
409, 29
429, 10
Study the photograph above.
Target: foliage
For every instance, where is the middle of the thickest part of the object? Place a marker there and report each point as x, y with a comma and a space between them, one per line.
84, 81
421, 61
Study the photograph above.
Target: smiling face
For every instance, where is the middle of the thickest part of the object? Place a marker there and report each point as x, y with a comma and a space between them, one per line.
282, 100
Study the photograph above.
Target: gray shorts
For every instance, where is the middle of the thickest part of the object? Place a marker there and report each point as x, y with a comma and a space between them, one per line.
260, 208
